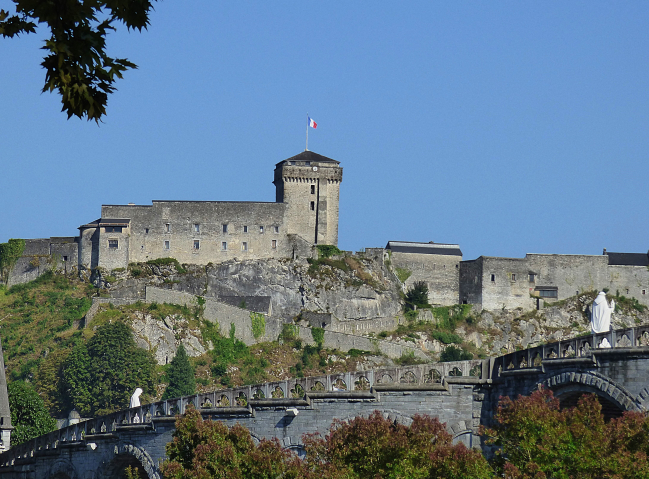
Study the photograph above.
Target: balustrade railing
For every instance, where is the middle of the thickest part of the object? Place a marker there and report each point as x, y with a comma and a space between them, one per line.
239, 401
579, 347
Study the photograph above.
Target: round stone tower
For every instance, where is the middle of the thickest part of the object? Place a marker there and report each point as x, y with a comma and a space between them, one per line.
309, 184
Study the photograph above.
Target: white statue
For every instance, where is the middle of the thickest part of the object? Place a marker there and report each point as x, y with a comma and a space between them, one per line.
135, 398
600, 316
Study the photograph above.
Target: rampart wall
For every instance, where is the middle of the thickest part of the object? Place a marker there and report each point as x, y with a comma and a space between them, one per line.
439, 272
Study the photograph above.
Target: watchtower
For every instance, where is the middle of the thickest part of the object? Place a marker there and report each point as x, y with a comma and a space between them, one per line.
309, 184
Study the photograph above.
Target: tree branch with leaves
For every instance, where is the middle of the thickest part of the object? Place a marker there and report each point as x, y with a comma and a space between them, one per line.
76, 64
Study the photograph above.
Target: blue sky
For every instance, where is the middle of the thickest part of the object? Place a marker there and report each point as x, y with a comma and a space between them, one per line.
507, 127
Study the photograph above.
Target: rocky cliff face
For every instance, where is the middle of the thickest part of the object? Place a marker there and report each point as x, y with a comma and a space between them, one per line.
351, 288
500, 332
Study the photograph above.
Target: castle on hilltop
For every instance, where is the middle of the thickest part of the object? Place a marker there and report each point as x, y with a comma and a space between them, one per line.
305, 214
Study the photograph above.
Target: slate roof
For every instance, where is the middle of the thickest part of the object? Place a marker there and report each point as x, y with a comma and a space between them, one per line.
424, 248
107, 222
628, 259
310, 156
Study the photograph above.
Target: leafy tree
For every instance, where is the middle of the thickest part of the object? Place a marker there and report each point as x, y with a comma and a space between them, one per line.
101, 376
202, 449
29, 416
77, 65
417, 296
539, 440
48, 384
180, 375
376, 447
454, 353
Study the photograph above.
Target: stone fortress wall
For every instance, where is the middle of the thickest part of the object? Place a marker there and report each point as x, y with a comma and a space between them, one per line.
304, 214
201, 232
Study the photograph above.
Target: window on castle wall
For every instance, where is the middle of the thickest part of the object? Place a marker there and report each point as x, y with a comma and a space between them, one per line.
312, 206
224, 246
245, 229
276, 229
167, 228
273, 244
65, 259
244, 246
146, 231
261, 229
197, 244
197, 228
313, 189
225, 227
493, 278
113, 229
113, 244
644, 291
532, 275
166, 245
513, 276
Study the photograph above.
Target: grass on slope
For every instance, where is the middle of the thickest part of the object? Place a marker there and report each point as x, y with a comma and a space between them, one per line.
38, 318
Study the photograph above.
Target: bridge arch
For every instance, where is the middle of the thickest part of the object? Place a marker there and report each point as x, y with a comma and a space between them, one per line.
126, 455
62, 469
569, 387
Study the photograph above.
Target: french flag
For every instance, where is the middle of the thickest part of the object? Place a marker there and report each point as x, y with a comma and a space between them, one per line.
312, 123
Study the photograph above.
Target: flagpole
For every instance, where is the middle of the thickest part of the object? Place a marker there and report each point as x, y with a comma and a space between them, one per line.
307, 132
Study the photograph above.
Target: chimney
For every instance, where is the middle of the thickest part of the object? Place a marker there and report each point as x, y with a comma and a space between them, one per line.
604, 251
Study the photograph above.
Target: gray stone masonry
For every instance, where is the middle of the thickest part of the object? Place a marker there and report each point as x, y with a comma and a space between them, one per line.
462, 394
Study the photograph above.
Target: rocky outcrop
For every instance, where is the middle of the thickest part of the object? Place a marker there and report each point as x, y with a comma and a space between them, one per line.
163, 336
351, 288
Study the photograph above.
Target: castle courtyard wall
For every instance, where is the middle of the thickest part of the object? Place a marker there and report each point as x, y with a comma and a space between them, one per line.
439, 272
194, 232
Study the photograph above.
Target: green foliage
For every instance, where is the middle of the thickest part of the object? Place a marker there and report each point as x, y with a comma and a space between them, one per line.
408, 359
29, 416
357, 353
376, 447
318, 336
209, 449
624, 303
258, 321
446, 337
229, 351
448, 317
180, 376
100, 376
403, 274
290, 332
327, 250
454, 353
10, 252
538, 439
315, 265
76, 64
48, 384
37, 318
417, 296
167, 262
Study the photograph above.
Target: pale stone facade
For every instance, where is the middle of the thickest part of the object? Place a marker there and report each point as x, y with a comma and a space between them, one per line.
201, 232
435, 264
508, 283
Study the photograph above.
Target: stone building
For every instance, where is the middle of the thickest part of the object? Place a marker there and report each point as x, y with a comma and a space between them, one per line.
305, 212
436, 264
508, 283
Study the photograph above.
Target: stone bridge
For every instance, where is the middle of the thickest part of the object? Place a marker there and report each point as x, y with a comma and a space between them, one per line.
462, 394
